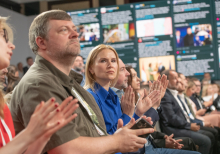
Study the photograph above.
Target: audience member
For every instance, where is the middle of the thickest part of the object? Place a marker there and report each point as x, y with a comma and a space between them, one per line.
54, 39
30, 62
216, 102
78, 66
207, 79
187, 106
161, 140
102, 72
174, 120
3, 81
43, 123
20, 69
197, 99
208, 93
133, 81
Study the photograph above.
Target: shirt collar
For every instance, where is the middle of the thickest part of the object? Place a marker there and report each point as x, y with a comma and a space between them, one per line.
64, 79
182, 96
173, 92
102, 92
117, 90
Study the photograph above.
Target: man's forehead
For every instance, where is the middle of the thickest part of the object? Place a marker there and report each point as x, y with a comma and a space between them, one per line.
79, 58
173, 73
182, 76
198, 82
121, 64
58, 23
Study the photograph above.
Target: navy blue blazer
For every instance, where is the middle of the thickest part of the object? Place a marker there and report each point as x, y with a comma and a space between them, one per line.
172, 116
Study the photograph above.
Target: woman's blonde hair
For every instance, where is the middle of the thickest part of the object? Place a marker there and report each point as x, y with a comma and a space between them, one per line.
190, 84
90, 80
205, 89
7, 27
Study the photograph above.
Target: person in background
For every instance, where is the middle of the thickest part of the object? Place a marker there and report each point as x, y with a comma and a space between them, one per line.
151, 72
78, 66
47, 118
3, 78
206, 127
168, 143
13, 78
20, 69
188, 38
179, 39
207, 79
162, 140
161, 68
197, 42
213, 119
207, 40
174, 120
198, 100
216, 102
30, 62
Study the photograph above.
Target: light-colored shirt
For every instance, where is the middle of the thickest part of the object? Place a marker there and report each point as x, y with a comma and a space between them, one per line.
175, 93
119, 92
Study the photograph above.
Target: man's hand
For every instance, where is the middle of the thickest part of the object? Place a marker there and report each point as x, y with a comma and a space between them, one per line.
201, 112
164, 84
172, 143
161, 85
145, 103
194, 127
128, 102
127, 139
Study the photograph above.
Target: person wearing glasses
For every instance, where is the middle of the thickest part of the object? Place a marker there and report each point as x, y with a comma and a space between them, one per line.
47, 118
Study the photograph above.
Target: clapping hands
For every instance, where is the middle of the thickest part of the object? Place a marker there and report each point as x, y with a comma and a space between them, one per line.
161, 85
128, 102
50, 116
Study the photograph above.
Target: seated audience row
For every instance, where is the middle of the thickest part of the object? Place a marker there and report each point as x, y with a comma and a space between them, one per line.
109, 103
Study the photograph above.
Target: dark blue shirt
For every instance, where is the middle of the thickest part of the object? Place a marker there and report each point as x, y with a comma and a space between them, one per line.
109, 104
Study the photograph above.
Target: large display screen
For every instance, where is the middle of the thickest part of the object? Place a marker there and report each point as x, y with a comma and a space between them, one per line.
195, 45
152, 36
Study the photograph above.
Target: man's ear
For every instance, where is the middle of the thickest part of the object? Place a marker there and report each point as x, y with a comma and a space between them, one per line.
41, 43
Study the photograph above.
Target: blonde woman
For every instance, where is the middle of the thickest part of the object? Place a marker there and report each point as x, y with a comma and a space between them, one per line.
102, 69
47, 118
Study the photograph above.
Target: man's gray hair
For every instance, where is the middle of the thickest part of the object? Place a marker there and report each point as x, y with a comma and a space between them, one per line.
39, 26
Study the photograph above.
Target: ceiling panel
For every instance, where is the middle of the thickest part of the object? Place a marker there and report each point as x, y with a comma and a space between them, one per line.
29, 1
